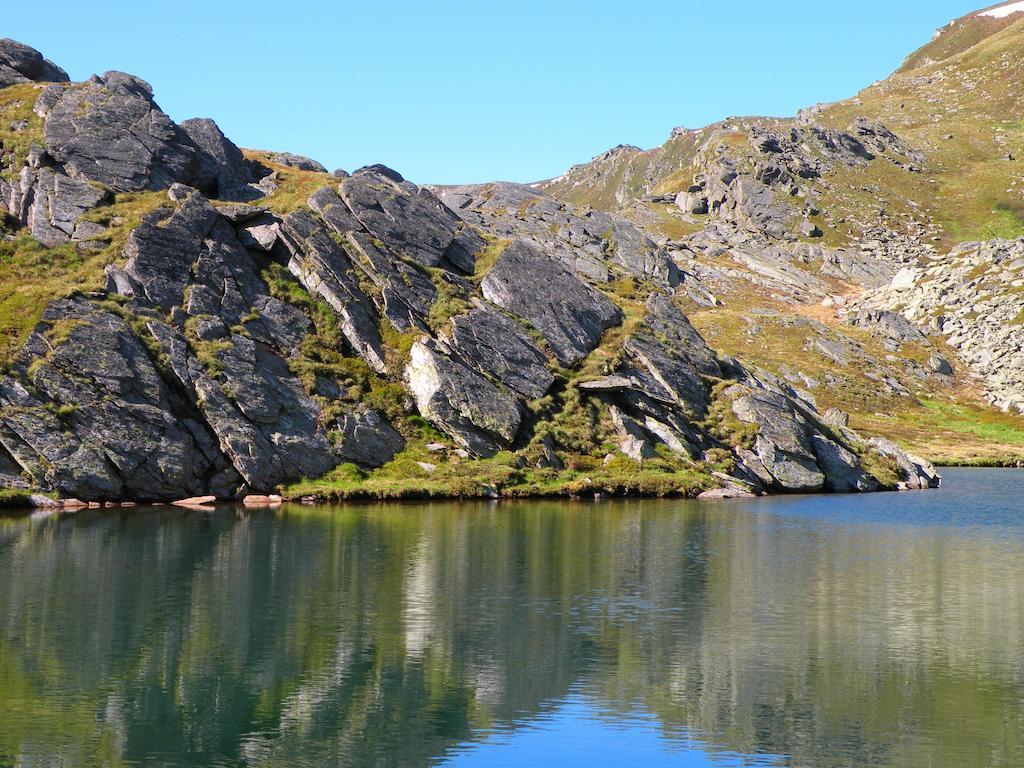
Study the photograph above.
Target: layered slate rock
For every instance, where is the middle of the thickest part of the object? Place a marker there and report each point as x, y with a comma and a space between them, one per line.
326, 270
593, 243
221, 170
473, 411
669, 360
195, 265
92, 418
51, 205
409, 220
20, 63
368, 439
499, 347
160, 254
264, 422
783, 450
406, 293
109, 130
567, 312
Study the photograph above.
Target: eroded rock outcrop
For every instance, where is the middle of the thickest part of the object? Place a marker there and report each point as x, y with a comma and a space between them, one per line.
568, 313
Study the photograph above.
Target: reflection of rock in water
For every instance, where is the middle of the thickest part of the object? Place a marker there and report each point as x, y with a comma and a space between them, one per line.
385, 636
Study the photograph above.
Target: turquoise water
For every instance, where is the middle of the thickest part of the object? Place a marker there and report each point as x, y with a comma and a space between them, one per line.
882, 630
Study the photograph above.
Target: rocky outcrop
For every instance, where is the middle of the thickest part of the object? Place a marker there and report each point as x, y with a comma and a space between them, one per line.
367, 439
234, 349
87, 414
411, 222
326, 271
595, 244
569, 314
501, 349
970, 298
20, 63
475, 412
109, 130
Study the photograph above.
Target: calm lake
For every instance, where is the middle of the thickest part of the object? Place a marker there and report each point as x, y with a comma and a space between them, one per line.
882, 630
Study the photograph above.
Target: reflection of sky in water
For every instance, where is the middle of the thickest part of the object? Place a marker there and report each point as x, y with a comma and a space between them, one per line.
577, 732
969, 499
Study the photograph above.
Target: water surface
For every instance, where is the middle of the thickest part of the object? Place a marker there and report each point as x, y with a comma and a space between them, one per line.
884, 630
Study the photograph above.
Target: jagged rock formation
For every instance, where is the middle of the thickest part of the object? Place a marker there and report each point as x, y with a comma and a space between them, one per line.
21, 64
972, 298
235, 348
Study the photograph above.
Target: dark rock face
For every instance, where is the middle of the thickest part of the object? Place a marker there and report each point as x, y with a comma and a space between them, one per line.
592, 243
110, 130
94, 419
501, 349
568, 313
367, 439
21, 64
326, 270
405, 292
51, 205
476, 413
160, 257
264, 422
221, 170
783, 447
669, 360
409, 220
197, 371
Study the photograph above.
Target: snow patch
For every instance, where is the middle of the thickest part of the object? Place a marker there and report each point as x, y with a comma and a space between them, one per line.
1004, 11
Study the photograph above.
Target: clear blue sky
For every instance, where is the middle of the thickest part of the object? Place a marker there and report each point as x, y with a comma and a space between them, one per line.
475, 90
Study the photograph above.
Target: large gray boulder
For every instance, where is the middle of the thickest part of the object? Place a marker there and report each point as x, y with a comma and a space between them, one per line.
20, 63
476, 413
567, 312
783, 446
669, 360
410, 220
367, 439
264, 422
499, 347
109, 130
160, 254
51, 205
221, 169
406, 293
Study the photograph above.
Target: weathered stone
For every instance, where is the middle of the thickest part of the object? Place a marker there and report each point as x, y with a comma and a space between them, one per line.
668, 360
325, 270
367, 439
21, 63
501, 349
410, 220
297, 161
569, 314
160, 258
51, 205
842, 468
634, 441
99, 422
110, 130
221, 170
470, 409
